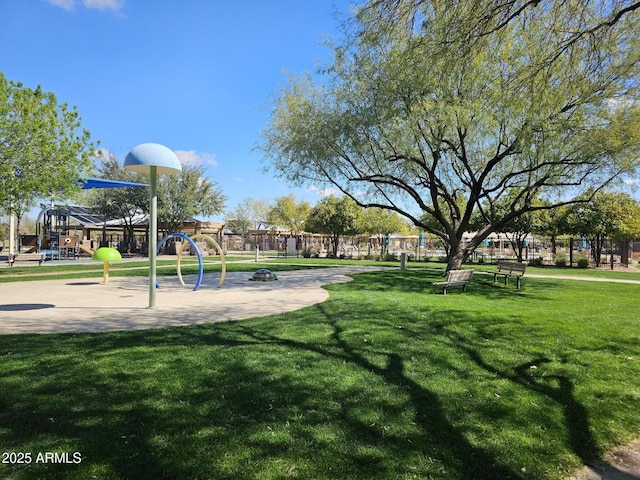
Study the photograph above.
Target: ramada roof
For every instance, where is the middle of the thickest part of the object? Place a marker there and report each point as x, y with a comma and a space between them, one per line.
88, 217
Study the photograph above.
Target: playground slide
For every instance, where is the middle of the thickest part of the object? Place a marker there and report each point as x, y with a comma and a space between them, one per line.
86, 250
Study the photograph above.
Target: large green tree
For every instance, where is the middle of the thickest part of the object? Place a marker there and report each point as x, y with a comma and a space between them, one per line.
43, 148
188, 194
289, 213
446, 109
126, 203
608, 215
382, 222
334, 217
247, 215
552, 223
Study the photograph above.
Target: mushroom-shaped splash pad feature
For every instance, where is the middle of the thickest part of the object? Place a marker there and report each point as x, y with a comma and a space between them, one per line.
106, 255
144, 157
152, 159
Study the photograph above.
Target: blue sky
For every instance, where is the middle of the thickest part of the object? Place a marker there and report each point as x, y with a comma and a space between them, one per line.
194, 75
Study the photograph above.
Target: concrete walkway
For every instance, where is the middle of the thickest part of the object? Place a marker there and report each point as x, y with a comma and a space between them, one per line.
585, 278
620, 464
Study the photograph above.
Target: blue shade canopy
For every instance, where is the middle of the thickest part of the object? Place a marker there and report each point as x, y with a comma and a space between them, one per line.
88, 183
141, 158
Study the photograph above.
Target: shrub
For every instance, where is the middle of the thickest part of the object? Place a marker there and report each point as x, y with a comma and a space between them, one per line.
536, 262
583, 261
560, 259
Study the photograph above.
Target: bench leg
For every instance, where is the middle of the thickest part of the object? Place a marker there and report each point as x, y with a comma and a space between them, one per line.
517, 283
506, 280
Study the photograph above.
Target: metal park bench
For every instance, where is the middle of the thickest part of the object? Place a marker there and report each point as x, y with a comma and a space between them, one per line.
509, 269
26, 257
455, 278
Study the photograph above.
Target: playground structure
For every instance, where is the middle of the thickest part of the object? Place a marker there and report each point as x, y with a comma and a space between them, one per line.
189, 241
56, 237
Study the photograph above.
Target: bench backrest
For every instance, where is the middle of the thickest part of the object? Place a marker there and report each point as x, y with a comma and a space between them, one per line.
456, 276
511, 267
519, 267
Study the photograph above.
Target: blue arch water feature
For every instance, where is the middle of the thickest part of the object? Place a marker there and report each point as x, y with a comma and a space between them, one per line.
198, 254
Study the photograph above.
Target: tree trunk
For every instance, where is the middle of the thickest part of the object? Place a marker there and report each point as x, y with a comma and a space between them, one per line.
457, 255
335, 240
596, 249
519, 249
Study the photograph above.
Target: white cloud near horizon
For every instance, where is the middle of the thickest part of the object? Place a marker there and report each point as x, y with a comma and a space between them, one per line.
197, 158
323, 192
104, 154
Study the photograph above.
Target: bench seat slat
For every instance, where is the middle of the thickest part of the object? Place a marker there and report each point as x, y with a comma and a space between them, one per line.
509, 269
455, 278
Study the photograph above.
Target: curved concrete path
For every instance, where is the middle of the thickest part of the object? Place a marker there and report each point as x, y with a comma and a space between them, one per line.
73, 306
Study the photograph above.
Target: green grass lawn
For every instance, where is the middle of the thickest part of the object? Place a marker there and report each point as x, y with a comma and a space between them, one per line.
387, 379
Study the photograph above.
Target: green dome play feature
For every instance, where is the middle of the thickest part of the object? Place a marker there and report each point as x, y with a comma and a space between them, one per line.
106, 255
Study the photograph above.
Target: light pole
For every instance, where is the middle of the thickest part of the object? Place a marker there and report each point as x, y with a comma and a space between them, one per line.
153, 159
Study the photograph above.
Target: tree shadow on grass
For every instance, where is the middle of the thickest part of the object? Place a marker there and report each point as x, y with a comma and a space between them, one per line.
259, 399
421, 282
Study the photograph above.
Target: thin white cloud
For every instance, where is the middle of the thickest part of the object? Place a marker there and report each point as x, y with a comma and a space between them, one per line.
210, 159
113, 5
323, 192
64, 4
198, 158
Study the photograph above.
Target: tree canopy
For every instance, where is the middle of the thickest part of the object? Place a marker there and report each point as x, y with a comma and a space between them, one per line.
451, 110
43, 149
185, 195
334, 217
608, 215
381, 222
289, 213
126, 202
247, 215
